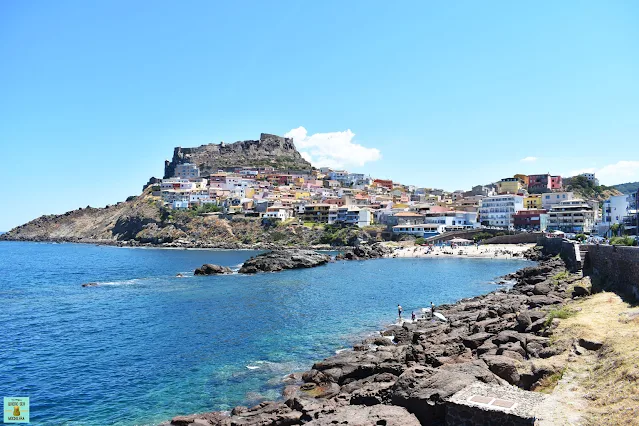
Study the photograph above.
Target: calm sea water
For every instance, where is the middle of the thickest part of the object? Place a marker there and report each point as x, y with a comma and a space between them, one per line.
144, 345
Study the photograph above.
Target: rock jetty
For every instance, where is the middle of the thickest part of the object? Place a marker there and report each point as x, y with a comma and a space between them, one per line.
409, 375
210, 269
279, 260
365, 251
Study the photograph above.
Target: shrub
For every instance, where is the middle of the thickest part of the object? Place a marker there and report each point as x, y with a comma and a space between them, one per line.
561, 313
420, 240
482, 236
623, 241
560, 277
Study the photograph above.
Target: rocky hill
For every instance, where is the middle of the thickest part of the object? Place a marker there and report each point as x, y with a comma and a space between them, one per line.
268, 151
143, 221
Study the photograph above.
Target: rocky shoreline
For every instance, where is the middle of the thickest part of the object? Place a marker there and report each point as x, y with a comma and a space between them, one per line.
180, 244
406, 375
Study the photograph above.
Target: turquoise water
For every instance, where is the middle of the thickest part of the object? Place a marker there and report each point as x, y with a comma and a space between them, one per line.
144, 345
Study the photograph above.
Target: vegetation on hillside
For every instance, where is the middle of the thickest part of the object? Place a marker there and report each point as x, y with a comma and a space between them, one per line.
627, 188
587, 189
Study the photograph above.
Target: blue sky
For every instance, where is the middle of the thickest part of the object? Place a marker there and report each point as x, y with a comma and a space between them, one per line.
95, 95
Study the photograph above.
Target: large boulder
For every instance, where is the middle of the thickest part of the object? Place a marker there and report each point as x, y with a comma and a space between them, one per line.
476, 340
423, 390
279, 260
210, 269
503, 366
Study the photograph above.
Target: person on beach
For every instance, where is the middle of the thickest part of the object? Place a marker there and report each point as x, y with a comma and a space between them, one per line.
399, 312
432, 310
412, 315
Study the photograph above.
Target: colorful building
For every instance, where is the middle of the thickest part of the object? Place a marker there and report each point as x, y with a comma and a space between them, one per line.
531, 219
509, 186
533, 201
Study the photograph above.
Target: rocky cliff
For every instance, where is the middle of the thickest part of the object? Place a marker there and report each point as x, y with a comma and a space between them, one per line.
268, 151
142, 221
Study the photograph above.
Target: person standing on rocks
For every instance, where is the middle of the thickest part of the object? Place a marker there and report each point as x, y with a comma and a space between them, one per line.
412, 316
432, 310
399, 312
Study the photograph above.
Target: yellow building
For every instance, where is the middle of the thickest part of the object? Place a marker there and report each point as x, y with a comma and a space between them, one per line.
523, 178
533, 201
509, 186
316, 213
302, 194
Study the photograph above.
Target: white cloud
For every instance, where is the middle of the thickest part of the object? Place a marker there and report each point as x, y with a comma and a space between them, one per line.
620, 172
334, 149
613, 174
528, 160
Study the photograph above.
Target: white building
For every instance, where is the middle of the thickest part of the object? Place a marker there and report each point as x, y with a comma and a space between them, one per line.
424, 230
549, 199
498, 210
177, 184
279, 213
186, 171
613, 212
591, 177
350, 215
571, 216
452, 220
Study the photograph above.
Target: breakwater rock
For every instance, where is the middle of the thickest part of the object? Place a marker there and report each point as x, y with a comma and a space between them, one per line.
501, 339
279, 260
365, 251
209, 269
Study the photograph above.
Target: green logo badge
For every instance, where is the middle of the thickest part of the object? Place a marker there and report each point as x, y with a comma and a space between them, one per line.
16, 409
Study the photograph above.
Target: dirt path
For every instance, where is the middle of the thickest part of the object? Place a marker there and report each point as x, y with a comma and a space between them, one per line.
598, 387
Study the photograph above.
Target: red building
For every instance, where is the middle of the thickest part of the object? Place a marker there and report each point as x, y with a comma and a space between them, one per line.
544, 183
384, 183
532, 219
556, 183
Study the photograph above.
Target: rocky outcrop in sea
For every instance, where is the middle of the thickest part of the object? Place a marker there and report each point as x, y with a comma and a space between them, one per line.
408, 374
210, 269
279, 260
365, 251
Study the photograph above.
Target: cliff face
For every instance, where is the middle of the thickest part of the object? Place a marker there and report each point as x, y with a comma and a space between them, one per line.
113, 223
143, 221
268, 151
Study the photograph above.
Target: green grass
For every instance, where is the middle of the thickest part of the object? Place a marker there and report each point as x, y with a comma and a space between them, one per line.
560, 277
561, 313
548, 383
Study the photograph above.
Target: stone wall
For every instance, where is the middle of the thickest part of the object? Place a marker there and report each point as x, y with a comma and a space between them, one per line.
566, 249
613, 268
524, 238
551, 246
462, 415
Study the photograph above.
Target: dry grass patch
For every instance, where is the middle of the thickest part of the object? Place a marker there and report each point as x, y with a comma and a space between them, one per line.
612, 383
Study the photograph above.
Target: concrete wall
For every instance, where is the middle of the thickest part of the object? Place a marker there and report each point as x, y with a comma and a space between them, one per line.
614, 269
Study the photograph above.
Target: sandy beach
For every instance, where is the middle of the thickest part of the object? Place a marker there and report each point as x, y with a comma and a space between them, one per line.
493, 251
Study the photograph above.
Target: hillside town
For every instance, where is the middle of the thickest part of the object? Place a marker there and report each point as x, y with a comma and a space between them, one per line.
538, 202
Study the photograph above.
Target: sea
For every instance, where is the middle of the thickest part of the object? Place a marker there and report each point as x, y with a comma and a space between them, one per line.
144, 345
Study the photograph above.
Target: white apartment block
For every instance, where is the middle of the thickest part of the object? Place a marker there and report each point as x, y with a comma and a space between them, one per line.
498, 210
571, 216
